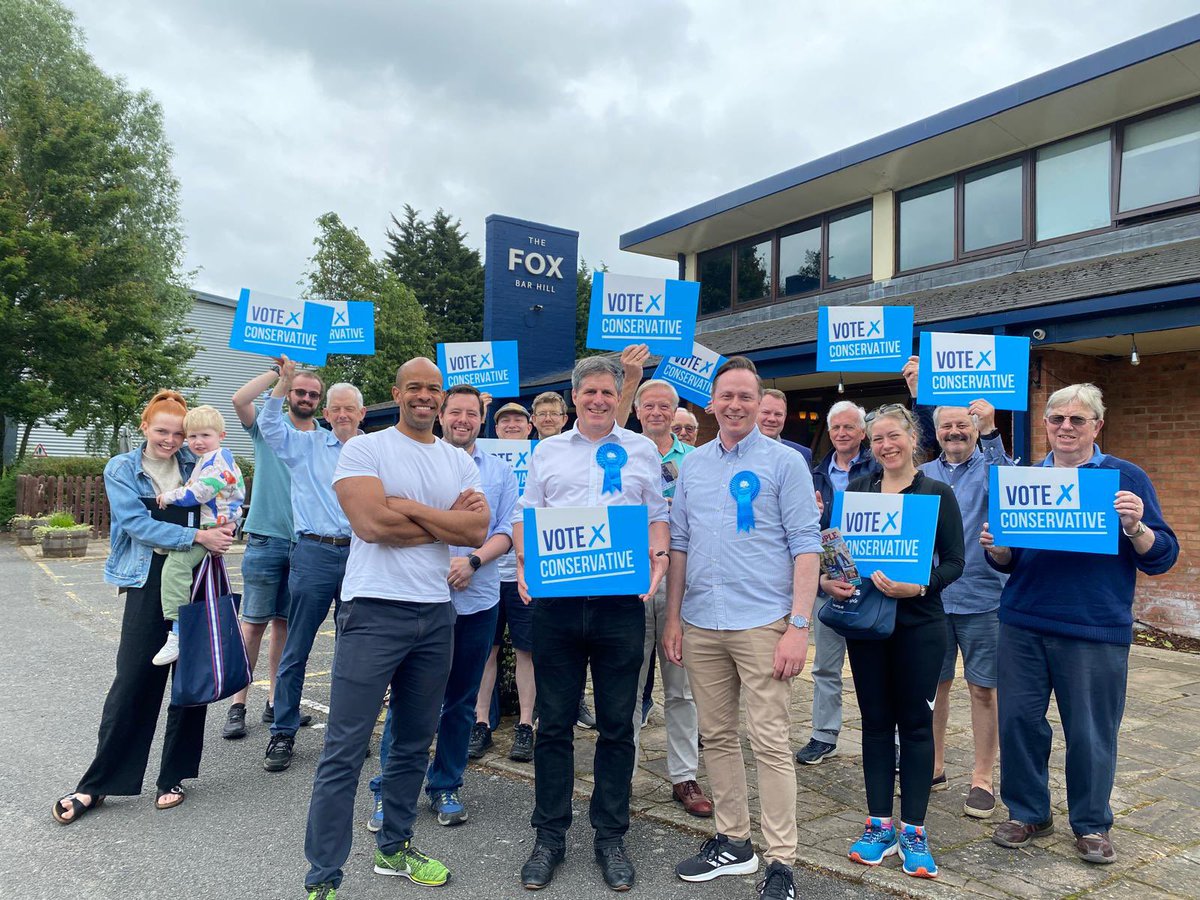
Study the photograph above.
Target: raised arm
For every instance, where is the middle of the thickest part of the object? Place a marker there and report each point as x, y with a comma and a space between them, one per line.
633, 358
373, 518
243, 400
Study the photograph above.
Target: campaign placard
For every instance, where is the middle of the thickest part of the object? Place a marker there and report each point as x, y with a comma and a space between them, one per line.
632, 309
863, 338
275, 326
691, 376
515, 453
490, 366
587, 551
959, 368
892, 533
352, 331
1051, 508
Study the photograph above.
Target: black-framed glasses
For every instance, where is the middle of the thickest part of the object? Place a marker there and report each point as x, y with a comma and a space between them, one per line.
311, 395
1076, 421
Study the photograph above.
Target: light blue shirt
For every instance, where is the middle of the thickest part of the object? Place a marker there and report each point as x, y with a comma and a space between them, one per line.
499, 485
742, 579
312, 457
1096, 460
271, 500
839, 477
978, 589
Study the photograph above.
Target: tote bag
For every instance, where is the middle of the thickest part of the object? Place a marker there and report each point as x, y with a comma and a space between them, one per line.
869, 615
212, 661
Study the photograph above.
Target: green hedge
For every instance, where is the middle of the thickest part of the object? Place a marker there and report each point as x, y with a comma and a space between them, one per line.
61, 465
8, 497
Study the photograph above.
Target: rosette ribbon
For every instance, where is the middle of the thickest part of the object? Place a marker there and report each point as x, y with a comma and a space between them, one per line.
744, 487
611, 458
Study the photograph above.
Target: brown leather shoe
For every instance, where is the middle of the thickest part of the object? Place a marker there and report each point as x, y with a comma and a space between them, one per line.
1020, 834
1095, 848
694, 802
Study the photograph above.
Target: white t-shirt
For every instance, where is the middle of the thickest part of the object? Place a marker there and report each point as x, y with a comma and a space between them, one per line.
431, 474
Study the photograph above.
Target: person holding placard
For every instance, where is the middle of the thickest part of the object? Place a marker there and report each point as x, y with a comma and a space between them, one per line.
745, 550
595, 464
1066, 623
896, 678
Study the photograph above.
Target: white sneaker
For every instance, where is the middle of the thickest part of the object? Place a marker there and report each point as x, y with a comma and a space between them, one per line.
169, 652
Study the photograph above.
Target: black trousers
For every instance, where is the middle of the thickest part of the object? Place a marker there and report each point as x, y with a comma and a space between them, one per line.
568, 633
133, 704
896, 681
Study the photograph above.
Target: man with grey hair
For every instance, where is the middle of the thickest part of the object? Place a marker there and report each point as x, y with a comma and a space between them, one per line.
322, 535
597, 463
686, 426
655, 403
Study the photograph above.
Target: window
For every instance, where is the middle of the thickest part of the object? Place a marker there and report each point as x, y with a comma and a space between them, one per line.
1160, 159
800, 262
755, 267
716, 281
850, 244
927, 224
993, 206
1072, 185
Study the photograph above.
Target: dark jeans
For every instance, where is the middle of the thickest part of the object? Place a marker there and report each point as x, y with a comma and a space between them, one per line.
134, 702
380, 642
314, 581
1088, 680
568, 634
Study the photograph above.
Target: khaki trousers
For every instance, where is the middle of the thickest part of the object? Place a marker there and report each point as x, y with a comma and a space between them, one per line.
725, 667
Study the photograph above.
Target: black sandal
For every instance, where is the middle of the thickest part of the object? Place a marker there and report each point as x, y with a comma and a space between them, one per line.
77, 809
176, 794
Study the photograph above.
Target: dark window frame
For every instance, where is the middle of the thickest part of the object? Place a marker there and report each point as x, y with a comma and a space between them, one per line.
1130, 215
1031, 212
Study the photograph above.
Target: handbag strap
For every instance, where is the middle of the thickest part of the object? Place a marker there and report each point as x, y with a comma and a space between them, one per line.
211, 579
201, 578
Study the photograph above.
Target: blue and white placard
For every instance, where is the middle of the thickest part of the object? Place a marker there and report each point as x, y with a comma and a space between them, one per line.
275, 326
959, 368
515, 453
352, 331
893, 533
632, 309
691, 376
587, 551
863, 338
490, 366
1052, 508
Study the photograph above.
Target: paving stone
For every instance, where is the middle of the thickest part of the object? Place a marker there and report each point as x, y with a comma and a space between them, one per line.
1179, 877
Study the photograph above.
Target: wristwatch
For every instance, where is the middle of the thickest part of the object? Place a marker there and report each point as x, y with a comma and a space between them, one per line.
798, 621
924, 590
275, 368
1137, 532
475, 562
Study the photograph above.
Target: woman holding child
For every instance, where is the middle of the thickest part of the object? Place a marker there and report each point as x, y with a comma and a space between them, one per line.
139, 543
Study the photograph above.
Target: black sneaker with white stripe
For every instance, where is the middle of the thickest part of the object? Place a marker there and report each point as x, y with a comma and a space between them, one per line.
777, 883
718, 856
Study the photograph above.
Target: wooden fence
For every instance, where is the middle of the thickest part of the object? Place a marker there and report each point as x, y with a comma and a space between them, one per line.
81, 495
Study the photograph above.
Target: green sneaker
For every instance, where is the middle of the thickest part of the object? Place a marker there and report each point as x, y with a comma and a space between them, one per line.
413, 865
322, 892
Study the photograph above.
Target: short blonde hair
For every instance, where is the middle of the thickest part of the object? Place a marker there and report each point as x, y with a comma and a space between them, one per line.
1087, 394
549, 398
203, 417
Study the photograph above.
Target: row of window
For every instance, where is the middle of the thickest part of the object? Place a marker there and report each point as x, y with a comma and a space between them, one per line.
977, 212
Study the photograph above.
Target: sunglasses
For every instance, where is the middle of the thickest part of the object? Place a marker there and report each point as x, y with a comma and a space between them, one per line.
311, 395
885, 410
683, 429
1076, 421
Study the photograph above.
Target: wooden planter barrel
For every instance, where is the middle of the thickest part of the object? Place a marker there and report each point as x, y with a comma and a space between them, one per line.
24, 530
62, 544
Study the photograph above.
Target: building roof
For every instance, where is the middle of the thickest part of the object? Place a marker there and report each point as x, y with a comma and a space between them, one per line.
215, 299
1147, 71
1103, 276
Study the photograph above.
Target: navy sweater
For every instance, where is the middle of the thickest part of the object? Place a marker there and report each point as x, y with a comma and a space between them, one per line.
1087, 595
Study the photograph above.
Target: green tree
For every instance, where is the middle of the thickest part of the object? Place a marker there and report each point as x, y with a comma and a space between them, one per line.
583, 306
432, 258
342, 269
92, 297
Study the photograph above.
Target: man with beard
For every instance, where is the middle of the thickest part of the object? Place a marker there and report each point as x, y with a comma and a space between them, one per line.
409, 498
269, 536
322, 536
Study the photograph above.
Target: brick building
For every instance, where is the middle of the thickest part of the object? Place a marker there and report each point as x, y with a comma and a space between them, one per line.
1065, 208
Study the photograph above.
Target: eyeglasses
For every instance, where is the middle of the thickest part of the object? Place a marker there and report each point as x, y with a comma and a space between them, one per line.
683, 429
885, 410
1076, 421
547, 415
311, 395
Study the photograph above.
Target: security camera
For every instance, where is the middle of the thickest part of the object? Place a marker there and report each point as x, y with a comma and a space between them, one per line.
1039, 334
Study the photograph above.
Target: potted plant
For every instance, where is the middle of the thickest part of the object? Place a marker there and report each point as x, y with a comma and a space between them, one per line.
23, 526
62, 537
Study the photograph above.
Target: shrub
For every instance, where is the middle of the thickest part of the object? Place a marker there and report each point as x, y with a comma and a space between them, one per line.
62, 465
8, 495
60, 518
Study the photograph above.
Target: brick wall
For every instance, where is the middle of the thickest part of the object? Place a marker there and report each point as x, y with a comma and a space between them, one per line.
1152, 419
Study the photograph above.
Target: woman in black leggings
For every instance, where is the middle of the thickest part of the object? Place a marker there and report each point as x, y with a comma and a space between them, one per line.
896, 679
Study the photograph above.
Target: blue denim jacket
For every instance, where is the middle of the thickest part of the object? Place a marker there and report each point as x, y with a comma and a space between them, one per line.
134, 533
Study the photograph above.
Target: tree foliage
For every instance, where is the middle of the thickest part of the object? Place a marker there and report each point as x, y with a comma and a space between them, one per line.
92, 296
583, 306
432, 258
342, 269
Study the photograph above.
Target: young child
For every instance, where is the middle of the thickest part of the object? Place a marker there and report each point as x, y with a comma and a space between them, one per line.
216, 486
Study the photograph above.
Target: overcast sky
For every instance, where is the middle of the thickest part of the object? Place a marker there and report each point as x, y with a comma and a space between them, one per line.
597, 116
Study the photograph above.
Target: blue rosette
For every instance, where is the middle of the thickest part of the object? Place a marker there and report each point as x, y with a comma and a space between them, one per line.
611, 457
744, 487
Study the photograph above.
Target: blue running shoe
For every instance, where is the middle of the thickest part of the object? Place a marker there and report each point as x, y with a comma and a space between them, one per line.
448, 807
914, 851
877, 843
376, 821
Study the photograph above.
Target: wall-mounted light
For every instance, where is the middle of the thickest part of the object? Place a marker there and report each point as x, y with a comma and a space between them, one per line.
841, 384
1134, 359
537, 307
